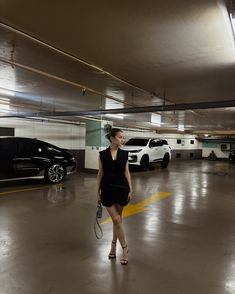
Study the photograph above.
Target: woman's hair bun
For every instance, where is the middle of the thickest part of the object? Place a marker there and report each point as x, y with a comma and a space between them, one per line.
107, 128
110, 131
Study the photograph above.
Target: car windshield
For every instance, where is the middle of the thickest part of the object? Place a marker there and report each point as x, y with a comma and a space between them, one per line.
137, 142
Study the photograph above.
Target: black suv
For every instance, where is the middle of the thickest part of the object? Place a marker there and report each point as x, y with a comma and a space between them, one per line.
26, 157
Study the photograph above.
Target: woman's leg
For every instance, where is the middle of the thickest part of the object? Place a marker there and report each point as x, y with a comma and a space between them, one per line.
124, 258
115, 212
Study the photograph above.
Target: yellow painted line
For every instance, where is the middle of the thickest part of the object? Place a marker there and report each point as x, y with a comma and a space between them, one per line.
139, 207
23, 190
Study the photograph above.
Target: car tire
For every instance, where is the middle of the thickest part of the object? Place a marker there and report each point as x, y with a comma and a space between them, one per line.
144, 163
165, 161
55, 173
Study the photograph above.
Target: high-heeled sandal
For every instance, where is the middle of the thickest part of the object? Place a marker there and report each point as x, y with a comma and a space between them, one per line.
123, 260
113, 255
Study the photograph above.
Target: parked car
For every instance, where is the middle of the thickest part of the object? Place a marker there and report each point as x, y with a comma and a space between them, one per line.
231, 156
143, 151
27, 158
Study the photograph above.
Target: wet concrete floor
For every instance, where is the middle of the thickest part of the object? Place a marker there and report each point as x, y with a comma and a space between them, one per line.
180, 229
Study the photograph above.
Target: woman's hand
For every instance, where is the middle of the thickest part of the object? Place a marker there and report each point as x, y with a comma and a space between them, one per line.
130, 196
98, 199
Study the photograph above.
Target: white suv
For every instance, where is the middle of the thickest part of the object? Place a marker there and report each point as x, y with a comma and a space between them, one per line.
143, 151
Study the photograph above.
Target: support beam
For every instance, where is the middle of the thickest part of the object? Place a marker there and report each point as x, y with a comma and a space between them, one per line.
159, 108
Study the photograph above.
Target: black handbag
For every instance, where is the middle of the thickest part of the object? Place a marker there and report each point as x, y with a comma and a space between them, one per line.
99, 210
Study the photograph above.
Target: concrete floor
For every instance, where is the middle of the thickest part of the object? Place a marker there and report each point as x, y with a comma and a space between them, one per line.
183, 243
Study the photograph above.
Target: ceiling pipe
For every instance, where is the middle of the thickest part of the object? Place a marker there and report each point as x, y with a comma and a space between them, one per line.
51, 76
69, 55
161, 108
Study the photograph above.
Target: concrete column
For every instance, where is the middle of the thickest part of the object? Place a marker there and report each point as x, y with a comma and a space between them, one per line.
95, 142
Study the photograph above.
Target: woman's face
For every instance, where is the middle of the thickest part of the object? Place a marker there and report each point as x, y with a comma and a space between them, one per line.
118, 140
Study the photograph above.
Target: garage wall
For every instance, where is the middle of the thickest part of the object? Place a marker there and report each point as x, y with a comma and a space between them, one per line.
7, 131
184, 147
130, 134
63, 135
221, 149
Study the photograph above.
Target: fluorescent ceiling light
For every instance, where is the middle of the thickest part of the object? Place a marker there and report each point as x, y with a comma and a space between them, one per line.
229, 108
155, 119
7, 80
153, 124
4, 100
112, 104
4, 104
118, 116
5, 92
180, 127
116, 94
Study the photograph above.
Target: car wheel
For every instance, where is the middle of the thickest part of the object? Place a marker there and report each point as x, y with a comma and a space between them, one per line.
144, 163
55, 173
165, 161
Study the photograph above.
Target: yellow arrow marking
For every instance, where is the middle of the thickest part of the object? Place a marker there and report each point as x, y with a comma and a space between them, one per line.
132, 209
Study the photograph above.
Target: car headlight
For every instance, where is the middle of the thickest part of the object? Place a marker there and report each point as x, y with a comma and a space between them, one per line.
135, 151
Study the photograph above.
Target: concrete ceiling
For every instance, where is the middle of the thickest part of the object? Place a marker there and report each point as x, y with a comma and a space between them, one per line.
70, 57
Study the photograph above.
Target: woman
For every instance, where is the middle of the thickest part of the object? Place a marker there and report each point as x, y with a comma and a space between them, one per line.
114, 188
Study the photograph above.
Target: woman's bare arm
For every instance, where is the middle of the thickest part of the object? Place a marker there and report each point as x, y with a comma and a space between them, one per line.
99, 178
128, 177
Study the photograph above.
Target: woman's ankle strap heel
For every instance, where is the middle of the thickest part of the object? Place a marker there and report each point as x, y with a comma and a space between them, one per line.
124, 260
111, 254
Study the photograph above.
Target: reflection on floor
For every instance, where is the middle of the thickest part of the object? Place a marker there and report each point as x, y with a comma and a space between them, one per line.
181, 243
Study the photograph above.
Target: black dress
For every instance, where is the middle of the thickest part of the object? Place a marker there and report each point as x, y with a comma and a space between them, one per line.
114, 185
